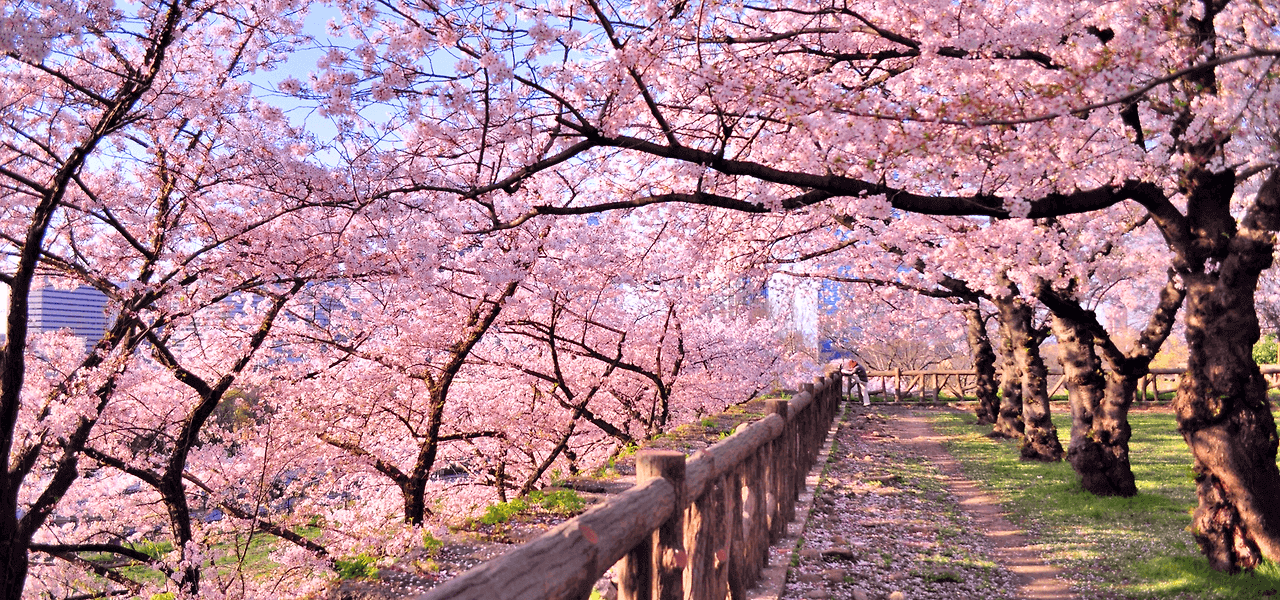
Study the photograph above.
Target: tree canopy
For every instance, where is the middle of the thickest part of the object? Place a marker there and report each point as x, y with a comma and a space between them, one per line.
499, 237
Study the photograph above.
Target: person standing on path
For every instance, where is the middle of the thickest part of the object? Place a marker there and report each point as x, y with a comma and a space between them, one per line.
856, 375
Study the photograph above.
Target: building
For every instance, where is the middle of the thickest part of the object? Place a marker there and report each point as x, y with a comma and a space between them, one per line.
81, 310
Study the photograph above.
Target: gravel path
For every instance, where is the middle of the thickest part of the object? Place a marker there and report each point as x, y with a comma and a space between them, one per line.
894, 519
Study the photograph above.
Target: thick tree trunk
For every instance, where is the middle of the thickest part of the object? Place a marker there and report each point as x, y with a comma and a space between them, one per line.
1099, 449
984, 362
1009, 419
1112, 433
415, 501
13, 559
1224, 415
1222, 407
1039, 436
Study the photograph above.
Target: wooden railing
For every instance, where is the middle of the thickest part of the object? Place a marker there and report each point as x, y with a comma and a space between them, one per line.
931, 383
697, 528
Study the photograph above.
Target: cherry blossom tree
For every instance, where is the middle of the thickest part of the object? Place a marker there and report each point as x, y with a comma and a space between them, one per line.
1100, 401
135, 161
411, 329
43, 158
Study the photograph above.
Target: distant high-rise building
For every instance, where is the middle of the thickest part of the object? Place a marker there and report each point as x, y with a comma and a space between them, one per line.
82, 310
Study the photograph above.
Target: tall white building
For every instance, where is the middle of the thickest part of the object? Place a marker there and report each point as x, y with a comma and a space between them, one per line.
796, 299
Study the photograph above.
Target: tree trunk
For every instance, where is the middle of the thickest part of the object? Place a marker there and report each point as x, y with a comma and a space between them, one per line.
984, 362
1225, 417
1009, 419
1099, 449
1222, 406
13, 558
1039, 436
415, 500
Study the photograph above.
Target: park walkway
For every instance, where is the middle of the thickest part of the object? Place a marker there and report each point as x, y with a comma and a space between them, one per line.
895, 514
893, 518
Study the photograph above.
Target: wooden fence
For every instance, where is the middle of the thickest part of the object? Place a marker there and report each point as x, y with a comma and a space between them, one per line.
696, 528
932, 383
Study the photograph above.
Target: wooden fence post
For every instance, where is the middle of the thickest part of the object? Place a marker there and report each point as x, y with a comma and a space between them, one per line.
779, 468
761, 509
655, 570
835, 402
706, 540
897, 384
739, 572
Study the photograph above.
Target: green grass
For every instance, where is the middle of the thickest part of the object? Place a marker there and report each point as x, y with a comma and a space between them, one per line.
558, 502
1108, 547
360, 566
249, 553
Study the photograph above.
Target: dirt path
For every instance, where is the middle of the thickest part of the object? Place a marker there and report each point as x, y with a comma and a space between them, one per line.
1011, 549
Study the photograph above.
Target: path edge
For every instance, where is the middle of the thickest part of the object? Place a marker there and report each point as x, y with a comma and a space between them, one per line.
773, 581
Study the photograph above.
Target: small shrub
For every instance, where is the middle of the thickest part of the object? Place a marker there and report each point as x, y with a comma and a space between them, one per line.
431, 544
503, 511
1266, 350
560, 502
360, 566
942, 576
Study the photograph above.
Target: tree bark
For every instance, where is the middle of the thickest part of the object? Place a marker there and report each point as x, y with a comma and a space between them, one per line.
13, 551
1009, 419
1222, 406
984, 362
1039, 436
1224, 415
1100, 402
1099, 449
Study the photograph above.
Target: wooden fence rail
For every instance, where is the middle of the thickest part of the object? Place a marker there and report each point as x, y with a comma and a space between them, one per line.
962, 382
696, 528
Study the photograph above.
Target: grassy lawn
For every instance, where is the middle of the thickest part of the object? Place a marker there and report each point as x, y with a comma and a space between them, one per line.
1108, 547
